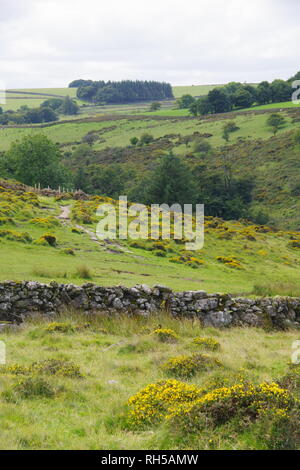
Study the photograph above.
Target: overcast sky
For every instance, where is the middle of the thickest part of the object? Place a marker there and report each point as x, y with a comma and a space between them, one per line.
48, 43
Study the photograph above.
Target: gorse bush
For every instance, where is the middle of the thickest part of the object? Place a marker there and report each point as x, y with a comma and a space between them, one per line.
294, 244
153, 402
6, 220
47, 239
165, 335
207, 343
84, 211
15, 369
231, 262
188, 260
60, 327
45, 221
223, 404
48, 367
68, 251
188, 366
12, 235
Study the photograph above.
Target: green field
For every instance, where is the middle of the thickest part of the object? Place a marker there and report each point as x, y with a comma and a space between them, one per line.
116, 359
49, 91
282, 105
34, 97
251, 126
194, 90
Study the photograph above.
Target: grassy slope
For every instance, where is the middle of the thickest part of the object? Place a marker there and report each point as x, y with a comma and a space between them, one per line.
253, 150
251, 126
194, 90
268, 260
89, 413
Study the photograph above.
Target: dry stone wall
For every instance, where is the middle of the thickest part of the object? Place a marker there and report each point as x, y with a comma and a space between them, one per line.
21, 299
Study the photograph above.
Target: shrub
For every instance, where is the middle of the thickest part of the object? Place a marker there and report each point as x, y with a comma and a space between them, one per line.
84, 211
188, 260
31, 387
231, 262
60, 327
153, 402
47, 239
76, 230
12, 235
146, 138
188, 366
15, 369
207, 343
277, 430
165, 335
68, 251
134, 140
294, 244
45, 222
223, 404
48, 367
291, 380
57, 367
160, 253
138, 244
6, 220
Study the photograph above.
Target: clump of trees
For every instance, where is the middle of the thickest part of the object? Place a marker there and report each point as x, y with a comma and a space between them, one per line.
126, 91
173, 181
64, 105
155, 106
35, 160
25, 115
236, 95
185, 101
47, 112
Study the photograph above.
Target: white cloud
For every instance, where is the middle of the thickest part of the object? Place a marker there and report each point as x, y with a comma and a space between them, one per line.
51, 42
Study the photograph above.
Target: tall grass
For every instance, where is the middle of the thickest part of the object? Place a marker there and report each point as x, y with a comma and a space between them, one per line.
270, 289
117, 363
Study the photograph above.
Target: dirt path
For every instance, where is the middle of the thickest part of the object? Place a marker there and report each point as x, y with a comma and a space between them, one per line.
65, 213
109, 245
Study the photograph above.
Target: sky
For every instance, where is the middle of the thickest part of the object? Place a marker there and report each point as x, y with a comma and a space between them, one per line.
49, 43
